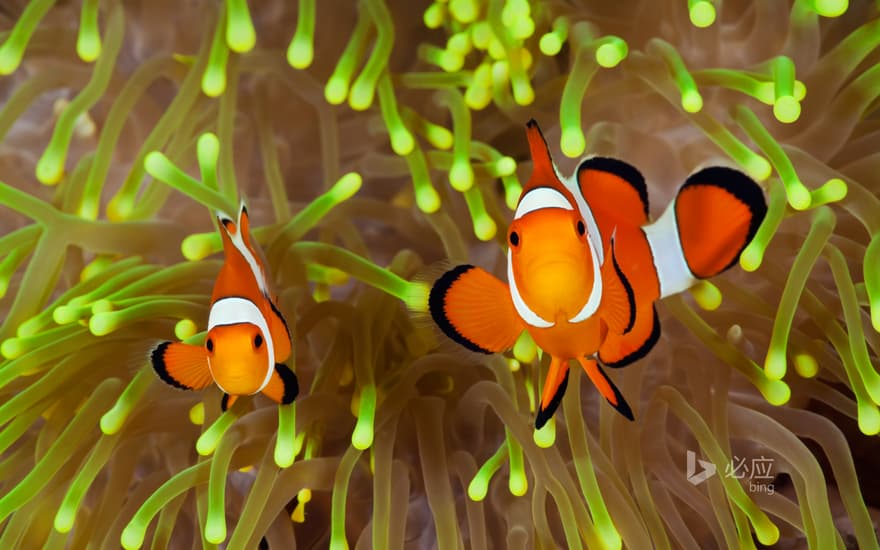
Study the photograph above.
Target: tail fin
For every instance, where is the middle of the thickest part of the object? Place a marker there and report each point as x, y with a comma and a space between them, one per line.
702, 233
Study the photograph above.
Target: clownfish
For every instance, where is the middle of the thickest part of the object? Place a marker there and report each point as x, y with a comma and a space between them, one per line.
248, 339
585, 266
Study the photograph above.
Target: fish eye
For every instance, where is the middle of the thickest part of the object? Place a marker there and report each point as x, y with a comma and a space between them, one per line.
514, 238
258, 341
581, 229
210, 345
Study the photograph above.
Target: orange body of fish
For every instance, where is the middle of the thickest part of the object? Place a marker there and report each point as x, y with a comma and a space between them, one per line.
585, 266
248, 339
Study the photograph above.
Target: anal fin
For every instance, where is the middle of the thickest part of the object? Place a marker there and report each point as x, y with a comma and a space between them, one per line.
183, 366
474, 308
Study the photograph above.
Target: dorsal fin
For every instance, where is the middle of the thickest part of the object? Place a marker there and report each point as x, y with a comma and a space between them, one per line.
543, 169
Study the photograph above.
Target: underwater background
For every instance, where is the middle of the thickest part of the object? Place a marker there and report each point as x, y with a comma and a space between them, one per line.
373, 141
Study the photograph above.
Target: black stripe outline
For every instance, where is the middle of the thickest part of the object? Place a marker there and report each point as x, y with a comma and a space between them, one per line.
630, 295
625, 171
642, 351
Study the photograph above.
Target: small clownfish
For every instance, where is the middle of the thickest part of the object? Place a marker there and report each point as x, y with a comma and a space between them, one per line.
248, 339
585, 266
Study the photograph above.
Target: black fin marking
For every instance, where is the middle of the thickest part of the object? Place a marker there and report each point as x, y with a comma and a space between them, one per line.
741, 186
437, 302
224, 402
642, 350
291, 384
622, 406
630, 295
157, 358
277, 312
545, 414
623, 170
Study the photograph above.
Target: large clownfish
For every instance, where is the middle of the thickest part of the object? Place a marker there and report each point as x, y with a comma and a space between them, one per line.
248, 339
585, 266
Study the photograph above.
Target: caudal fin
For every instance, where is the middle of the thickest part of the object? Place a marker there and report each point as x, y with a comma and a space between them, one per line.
713, 218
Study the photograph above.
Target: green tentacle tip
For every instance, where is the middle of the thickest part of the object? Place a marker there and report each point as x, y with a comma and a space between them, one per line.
830, 8
525, 349
766, 531
518, 483
701, 12
776, 392
707, 295
798, 196
240, 34
347, 186
197, 414
198, 246
362, 436
285, 441
104, 323
787, 109
461, 176
832, 190
10, 58
434, 15
478, 487
214, 80
300, 53
215, 529
427, 200
806, 365
361, 96
572, 142
691, 101
758, 167
550, 44
546, 436
12, 348
50, 167
774, 364
112, 420
88, 40
336, 90
465, 11
185, 328
869, 418
133, 536
64, 519
611, 52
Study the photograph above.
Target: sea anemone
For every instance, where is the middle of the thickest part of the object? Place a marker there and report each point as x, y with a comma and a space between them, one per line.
374, 141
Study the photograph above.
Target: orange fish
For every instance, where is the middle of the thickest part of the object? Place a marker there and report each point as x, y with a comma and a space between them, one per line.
248, 339
585, 266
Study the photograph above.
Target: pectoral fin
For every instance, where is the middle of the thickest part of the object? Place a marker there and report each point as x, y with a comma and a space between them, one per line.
474, 308
183, 366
